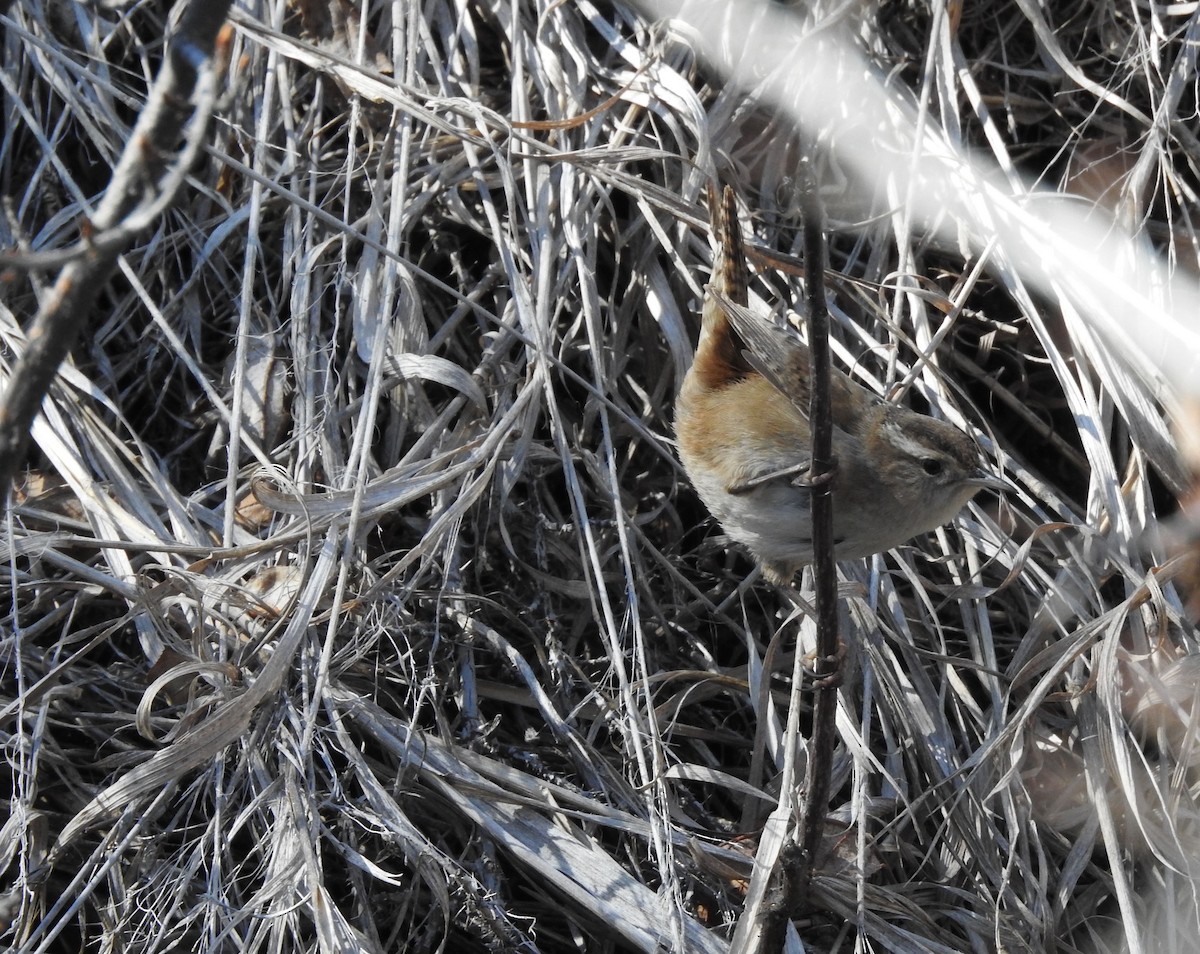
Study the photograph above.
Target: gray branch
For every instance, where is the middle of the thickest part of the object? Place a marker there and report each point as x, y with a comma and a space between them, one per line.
144, 183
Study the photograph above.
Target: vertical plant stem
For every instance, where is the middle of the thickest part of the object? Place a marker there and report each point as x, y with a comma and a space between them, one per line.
820, 758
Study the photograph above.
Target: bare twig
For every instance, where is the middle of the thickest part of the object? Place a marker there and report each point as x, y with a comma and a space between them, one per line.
790, 876
825, 569
147, 178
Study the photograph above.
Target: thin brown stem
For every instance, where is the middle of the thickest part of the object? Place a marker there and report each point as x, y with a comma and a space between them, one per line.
821, 745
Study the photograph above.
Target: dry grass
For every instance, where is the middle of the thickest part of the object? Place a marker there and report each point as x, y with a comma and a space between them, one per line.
358, 599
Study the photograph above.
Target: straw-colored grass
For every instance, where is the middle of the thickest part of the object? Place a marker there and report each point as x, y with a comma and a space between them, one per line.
358, 600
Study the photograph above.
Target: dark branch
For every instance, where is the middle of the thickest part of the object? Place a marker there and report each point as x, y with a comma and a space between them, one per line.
821, 745
145, 181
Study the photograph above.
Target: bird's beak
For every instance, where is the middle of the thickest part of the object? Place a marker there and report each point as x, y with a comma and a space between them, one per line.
987, 481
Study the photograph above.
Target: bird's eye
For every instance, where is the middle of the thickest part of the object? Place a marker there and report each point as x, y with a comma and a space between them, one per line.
932, 466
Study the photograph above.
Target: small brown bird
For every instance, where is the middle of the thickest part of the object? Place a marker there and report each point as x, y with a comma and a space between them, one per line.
741, 420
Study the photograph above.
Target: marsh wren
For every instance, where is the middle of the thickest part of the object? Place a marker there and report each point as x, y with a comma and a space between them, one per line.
741, 420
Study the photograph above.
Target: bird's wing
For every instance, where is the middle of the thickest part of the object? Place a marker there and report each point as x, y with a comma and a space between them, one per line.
779, 355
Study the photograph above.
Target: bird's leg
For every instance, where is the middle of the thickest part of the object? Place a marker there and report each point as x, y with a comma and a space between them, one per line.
751, 482
808, 662
829, 680
807, 479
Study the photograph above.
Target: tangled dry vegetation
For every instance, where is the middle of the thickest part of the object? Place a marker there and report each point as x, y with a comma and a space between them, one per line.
358, 601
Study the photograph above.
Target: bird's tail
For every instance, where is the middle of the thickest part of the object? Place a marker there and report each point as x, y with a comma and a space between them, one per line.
719, 357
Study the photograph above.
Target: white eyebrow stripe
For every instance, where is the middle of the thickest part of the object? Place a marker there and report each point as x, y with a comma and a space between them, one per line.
903, 442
